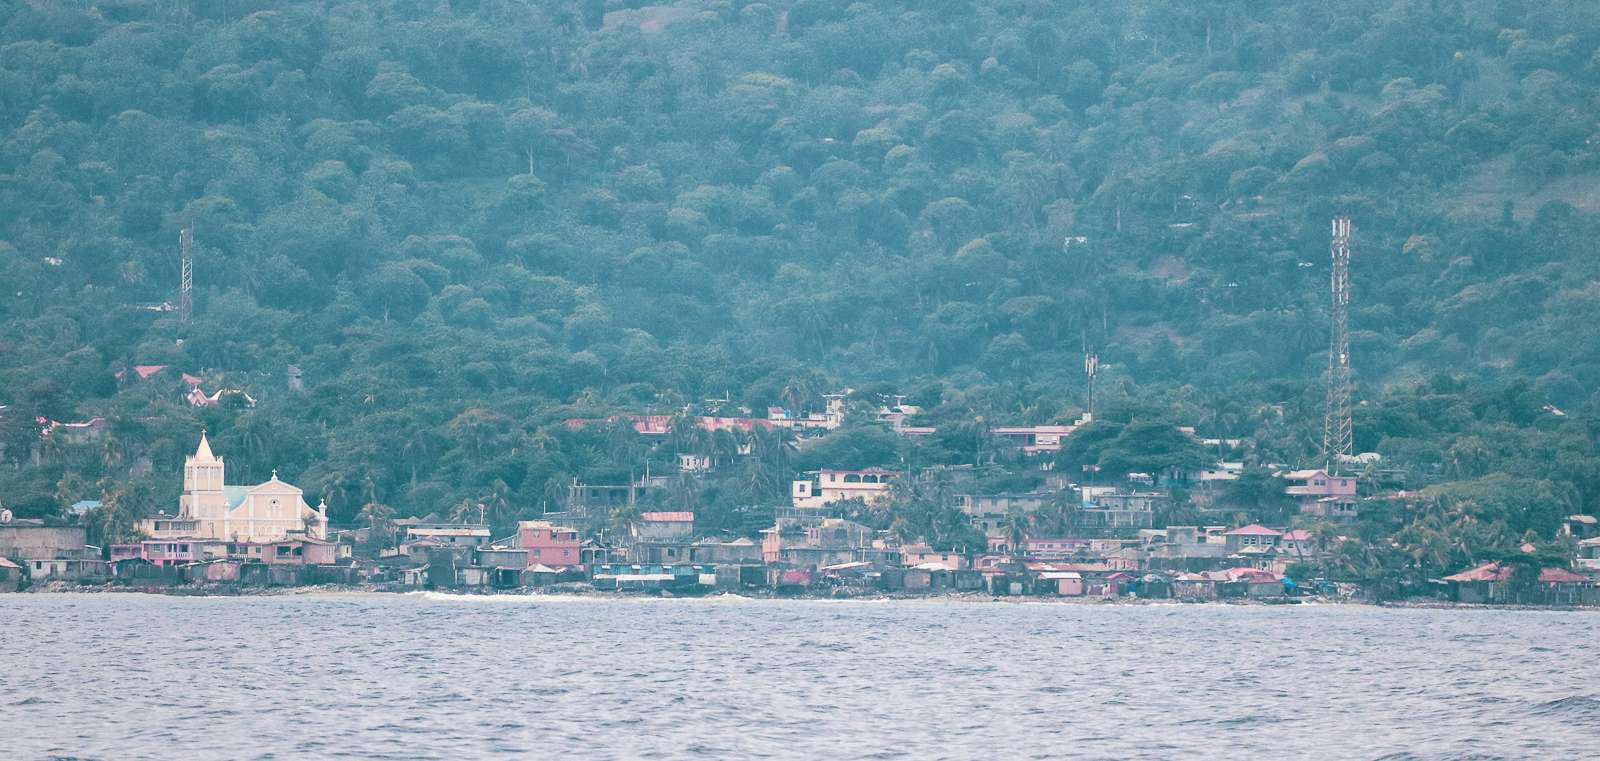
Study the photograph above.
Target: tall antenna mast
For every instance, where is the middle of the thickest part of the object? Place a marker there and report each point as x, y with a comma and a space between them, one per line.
1091, 368
186, 288
1337, 430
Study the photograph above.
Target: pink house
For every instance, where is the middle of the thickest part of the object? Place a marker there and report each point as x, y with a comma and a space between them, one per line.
292, 551
1055, 547
1321, 494
548, 544
172, 551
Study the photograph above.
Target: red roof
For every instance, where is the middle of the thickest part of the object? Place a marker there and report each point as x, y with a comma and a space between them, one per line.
146, 371
1254, 529
667, 517
649, 424
1297, 535
1561, 576
1498, 572
1485, 572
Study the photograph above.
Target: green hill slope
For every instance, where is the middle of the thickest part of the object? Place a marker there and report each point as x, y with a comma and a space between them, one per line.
466, 221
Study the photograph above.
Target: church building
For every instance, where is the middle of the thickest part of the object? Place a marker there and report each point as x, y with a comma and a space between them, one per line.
211, 509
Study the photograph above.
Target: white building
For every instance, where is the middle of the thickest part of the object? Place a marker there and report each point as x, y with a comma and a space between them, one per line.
211, 509
829, 486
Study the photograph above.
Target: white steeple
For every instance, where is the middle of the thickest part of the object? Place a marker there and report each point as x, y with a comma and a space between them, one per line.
203, 453
203, 471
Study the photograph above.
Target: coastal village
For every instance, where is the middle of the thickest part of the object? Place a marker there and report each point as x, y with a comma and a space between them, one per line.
1109, 540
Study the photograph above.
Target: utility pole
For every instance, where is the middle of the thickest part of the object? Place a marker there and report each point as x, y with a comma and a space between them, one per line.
1337, 431
186, 287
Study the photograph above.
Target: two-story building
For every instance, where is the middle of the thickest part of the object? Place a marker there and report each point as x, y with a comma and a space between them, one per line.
821, 543
1120, 511
827, 486
46, 551
1252, 536
549, 545
1322, 495
1589, 554
988, 512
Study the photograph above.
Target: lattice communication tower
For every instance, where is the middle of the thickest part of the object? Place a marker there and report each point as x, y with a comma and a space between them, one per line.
1337, 430
186, 287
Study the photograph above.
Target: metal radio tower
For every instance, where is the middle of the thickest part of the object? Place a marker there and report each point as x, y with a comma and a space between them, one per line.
186, 289
1337, 432
1091, 368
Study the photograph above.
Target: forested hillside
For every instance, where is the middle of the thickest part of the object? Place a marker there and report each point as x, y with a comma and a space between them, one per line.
466, 222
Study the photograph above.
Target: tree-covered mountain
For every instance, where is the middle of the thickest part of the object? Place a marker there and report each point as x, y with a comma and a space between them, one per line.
467, 222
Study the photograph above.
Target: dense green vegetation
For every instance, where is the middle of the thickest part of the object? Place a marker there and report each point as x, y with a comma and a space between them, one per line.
469, 221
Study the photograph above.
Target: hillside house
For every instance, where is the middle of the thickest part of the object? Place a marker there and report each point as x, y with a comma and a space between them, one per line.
1589, 554
1034, 439
585, 499
1187, 548
828, 486
988, 512
1322, 495
1254, 535
1298, 544
1120, 511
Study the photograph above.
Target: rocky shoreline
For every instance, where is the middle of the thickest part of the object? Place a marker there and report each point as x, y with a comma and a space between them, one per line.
586, 591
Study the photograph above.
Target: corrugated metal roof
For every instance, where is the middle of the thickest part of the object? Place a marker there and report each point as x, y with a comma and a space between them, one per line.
667, 517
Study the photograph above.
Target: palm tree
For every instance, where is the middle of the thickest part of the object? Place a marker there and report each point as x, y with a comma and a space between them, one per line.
498, 503
468, 511
625, 520
1058, 515
380, 520
554, 491
1017, 531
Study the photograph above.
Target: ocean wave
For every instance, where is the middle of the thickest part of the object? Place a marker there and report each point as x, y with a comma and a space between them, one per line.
1585, 707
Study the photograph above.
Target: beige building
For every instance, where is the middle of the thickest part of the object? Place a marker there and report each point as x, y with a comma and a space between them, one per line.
211, 509
827, 486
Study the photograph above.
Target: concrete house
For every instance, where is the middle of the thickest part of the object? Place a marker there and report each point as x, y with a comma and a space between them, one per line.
816, 544
1322, 495
548, 544
827, 486
1253, 535
988, 512
654, 526
432, 526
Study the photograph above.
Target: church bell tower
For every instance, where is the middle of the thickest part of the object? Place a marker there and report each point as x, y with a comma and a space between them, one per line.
202, 471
